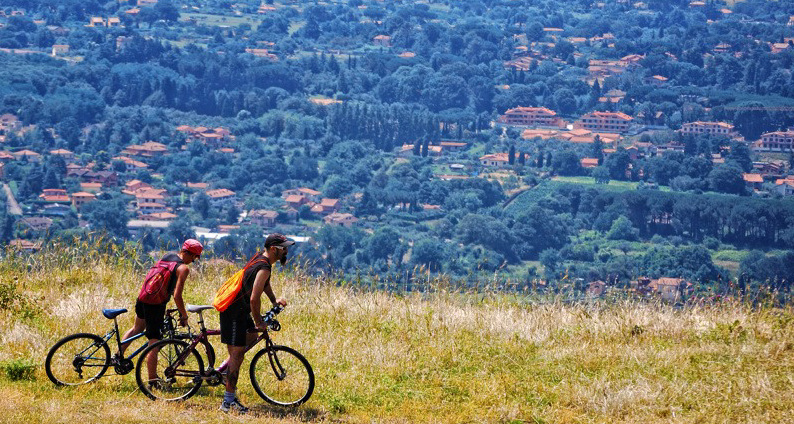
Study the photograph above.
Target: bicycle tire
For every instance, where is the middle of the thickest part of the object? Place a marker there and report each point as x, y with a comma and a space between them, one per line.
297, 382
209, 352
71, 355
175, 381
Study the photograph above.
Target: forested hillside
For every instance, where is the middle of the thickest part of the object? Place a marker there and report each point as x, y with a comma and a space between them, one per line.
552, 144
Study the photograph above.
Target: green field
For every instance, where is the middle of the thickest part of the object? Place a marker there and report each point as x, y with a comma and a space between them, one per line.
437, 357
220, 20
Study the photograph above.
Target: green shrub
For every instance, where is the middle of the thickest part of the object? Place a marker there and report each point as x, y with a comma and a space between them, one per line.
19, 369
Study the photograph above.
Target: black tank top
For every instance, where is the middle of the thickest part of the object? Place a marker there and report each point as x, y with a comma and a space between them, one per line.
172, 257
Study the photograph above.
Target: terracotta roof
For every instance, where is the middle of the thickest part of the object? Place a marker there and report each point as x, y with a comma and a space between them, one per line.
753, 178
220, 193
83, 195
496, 157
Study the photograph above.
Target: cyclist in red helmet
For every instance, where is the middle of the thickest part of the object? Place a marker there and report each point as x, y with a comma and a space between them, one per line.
150, 317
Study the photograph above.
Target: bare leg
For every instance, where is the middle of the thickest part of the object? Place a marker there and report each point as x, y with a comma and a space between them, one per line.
151, 361
236, 356
137, 327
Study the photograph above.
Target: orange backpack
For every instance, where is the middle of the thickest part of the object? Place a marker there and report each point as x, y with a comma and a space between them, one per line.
228, 292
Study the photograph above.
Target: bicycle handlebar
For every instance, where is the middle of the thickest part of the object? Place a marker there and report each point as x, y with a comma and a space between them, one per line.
275, 310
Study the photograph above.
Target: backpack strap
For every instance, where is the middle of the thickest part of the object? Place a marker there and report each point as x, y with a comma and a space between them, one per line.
250, 264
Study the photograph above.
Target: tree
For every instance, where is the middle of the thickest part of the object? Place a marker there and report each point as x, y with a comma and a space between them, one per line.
511, 155
430, 253
727, 178
751, 120
601, 175
232, 214
109, 215
177, 232
382, 243
565, 101
534, 31
566, 163
622, 229
598, 149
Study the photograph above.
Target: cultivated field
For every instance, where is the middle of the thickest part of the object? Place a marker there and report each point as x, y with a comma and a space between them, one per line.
438, 357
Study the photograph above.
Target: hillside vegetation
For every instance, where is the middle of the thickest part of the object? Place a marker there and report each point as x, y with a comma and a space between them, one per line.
433, 357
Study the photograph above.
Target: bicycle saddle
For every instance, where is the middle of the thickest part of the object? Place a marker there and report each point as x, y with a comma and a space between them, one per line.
112, 313
198, 308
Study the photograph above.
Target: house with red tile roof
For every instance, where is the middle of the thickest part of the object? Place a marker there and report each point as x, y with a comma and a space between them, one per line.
340, 219
775, 141
531, 116
67, 155
326, 206
197, 186
26, 245
158, 216
495, 160
709, 128
54, 195
753, 181
81, 198
147, 150
91, 187
311, 195
27, 155
221, 196
382, 40
608, 122
296, 200
131, 163
150, 208
263, 218
589, 162
785, 186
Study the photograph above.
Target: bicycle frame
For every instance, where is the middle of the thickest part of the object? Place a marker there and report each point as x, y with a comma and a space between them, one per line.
202, 336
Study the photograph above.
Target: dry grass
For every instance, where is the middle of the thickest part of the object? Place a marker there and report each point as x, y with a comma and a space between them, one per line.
441, 357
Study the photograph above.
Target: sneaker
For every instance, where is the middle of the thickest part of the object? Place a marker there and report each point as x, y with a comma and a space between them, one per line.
156, 384
115, 359
234, 405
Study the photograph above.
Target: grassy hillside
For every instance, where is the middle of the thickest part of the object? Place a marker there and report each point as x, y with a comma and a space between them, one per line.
440, 357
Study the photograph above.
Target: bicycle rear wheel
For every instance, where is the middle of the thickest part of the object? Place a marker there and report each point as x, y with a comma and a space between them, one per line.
178, 371
77, 359
282, 376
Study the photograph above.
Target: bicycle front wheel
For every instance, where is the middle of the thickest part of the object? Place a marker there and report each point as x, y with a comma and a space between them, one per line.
177, 374
77, 359
282, 376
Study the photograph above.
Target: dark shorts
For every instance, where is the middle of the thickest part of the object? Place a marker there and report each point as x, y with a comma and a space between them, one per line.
234, 328
154, 315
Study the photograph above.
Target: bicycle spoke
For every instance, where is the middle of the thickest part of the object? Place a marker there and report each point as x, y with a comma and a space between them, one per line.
282, 376
77, 359
176, 374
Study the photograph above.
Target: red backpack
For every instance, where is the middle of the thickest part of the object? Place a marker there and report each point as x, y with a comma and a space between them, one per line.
155, 286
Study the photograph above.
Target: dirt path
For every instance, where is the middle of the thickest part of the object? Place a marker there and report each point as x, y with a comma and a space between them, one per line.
13, 206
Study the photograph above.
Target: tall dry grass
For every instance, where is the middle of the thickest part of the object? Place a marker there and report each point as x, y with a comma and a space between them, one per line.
439, 357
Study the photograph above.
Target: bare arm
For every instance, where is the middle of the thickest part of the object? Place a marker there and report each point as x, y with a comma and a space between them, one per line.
261, 284
182, 271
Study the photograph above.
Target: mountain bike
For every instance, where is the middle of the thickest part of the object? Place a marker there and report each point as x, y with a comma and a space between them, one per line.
85, 357
279, 374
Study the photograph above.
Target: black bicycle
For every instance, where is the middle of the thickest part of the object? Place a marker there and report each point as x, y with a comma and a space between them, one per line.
84, 357
279, 374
